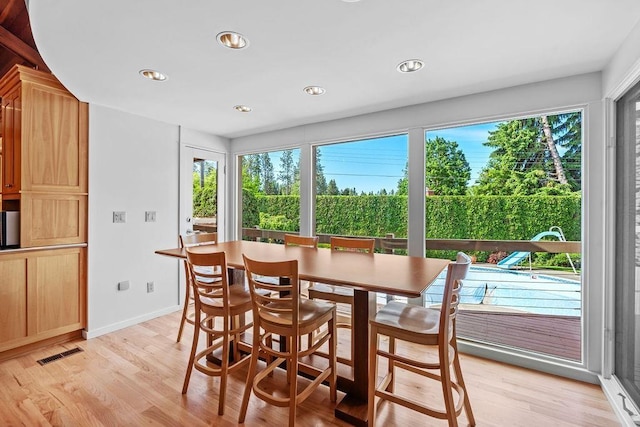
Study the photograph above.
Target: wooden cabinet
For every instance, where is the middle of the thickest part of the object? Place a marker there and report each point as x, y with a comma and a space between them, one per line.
44, 157
11, 112
13, 294
52, 219
43, 175
42, 294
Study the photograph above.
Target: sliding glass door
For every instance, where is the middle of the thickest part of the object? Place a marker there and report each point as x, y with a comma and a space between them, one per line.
627, 276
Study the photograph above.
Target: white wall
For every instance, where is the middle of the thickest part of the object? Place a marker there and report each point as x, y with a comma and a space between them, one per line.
622, 70
133, 167
582, 91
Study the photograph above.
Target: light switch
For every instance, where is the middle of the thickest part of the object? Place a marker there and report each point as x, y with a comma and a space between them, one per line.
119, 216
150, 216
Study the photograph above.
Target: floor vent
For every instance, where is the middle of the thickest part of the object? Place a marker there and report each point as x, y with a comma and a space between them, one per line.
59, 356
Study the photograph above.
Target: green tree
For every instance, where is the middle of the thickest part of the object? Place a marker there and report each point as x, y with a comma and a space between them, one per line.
332, 188
205, 191
287, 174
321, 181
267, 175
251, 164
567, 131
403, 183
250, 174
447, 171
525, 160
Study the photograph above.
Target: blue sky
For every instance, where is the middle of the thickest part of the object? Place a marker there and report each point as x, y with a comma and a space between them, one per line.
374, 164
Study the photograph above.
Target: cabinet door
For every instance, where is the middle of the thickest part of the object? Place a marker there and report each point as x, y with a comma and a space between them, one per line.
13, 294
11, 139
56, 292
54, 140
52, 219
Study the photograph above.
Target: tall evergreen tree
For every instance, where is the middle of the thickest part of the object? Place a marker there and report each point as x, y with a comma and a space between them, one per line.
267, 175
447, 171
321, 181
567, 131
287, 174
332, 188
525, 160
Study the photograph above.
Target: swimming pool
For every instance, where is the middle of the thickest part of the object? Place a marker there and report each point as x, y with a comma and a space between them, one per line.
508, 290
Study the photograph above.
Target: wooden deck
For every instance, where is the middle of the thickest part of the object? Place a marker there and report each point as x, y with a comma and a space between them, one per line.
558, 336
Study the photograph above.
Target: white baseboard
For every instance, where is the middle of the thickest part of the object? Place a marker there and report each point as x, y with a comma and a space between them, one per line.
88, 334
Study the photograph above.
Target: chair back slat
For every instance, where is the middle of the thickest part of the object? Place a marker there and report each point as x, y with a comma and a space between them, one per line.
274, 288
208, 274
304, 241
198, 239
352, 244
456, 272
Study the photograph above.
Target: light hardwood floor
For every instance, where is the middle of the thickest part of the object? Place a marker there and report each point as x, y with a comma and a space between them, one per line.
134, 377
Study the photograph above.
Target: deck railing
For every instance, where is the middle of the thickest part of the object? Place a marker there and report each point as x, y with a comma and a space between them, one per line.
389, 243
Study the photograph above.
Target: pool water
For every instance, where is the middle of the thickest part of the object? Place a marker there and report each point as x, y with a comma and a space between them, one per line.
514, 291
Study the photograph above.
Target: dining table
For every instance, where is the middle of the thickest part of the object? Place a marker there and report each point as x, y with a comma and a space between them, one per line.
366, 274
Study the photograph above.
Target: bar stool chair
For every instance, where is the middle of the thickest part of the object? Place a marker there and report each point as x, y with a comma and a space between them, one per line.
215, 301
304, 241
278, 310
428, 327
186, 241
341, 294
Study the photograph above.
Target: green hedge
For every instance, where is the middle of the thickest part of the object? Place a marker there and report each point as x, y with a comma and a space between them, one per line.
447, 217
362, 215
501, 217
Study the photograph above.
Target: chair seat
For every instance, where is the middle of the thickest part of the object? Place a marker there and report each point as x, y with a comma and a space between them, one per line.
309, 313
239, 296
409, 318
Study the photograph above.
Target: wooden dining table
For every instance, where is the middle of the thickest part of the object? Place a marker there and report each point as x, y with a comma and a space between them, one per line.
366, 273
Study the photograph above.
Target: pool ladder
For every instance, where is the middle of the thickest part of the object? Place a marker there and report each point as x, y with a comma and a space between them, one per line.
559, 230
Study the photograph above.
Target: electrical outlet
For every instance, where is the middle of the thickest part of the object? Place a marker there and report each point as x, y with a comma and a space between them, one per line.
119, 217
150, 216
150, 287
123, 286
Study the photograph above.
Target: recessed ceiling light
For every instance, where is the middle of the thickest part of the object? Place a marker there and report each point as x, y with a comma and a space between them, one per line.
314, 90
232, 40
410, 65
153, 75
242, 108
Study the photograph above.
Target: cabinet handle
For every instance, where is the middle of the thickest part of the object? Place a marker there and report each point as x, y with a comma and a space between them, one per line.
8, 185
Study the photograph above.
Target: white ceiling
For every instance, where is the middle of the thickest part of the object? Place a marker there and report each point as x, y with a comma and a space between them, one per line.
96, 48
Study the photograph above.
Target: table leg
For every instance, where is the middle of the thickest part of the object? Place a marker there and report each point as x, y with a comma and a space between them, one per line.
353, 407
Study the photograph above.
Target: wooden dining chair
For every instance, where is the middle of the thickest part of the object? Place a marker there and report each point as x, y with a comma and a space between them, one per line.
428, 327
186, 241
304, 241
218, 308
341, 294
278, 310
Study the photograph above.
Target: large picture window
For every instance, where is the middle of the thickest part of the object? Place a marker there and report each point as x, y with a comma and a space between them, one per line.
360, 189
270, 192
513, 180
